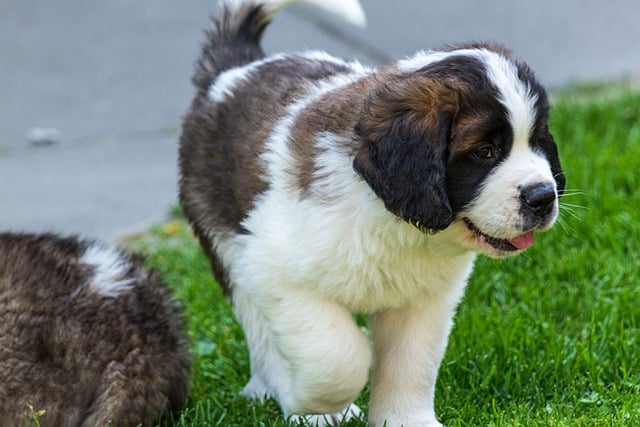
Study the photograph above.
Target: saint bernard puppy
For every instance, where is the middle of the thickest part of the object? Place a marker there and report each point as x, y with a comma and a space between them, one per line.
87, 336
320, 188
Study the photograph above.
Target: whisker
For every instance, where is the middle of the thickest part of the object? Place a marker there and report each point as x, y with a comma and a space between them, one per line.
573, 193
572, 206
571, 214
567, 215
565, 227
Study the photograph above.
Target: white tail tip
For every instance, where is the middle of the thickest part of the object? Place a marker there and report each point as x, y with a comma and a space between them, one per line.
349, 10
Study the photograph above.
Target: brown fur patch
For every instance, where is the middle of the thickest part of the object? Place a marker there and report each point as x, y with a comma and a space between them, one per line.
337, 113
466, 132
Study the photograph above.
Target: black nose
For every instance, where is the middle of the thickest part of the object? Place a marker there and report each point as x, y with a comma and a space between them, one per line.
539, 198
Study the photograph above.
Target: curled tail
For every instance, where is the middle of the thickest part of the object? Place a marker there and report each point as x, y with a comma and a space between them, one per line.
237, 31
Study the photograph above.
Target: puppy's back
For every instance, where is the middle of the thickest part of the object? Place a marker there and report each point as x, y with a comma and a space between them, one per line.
87, 336
241, 97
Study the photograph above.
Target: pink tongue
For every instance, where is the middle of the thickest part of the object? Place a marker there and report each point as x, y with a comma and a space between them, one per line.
524, 241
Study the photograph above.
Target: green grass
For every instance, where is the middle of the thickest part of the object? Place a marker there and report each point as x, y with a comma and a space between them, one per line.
548, 338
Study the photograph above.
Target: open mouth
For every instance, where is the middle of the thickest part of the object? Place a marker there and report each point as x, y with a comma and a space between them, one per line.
522, 241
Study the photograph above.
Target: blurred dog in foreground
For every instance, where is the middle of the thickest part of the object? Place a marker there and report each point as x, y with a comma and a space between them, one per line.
87, 336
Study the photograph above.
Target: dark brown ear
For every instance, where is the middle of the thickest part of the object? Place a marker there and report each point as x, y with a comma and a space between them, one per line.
402, 158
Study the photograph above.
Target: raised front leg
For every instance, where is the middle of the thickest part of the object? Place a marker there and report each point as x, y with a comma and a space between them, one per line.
409, 343
307, 352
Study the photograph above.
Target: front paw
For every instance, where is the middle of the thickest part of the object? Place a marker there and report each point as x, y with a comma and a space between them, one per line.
256, 389
393, 420
388, 423
323, 420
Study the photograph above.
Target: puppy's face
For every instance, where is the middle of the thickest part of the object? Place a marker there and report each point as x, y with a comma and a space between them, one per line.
460, 139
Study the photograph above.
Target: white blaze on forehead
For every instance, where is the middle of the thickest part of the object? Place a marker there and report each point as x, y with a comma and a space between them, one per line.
109, 270
514, 94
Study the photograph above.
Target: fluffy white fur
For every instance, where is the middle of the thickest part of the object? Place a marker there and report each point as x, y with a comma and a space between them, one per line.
109, 268
349, 10
496, 210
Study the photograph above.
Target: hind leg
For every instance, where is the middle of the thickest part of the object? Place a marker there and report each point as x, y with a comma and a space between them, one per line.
306, 352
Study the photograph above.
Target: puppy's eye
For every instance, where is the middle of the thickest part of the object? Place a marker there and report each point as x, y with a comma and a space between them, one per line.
486, 152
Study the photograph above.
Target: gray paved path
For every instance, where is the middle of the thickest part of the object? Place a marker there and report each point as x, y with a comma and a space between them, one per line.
112, 78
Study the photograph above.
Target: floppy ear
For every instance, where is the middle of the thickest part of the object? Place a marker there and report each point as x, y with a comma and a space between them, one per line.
402, 157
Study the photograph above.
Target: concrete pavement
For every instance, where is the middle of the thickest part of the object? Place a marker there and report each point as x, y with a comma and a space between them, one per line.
112, 79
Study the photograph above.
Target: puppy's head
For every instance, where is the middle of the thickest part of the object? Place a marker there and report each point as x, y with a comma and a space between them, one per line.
459, 138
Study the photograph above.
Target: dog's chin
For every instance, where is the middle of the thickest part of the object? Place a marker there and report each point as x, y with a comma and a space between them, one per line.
496, 247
